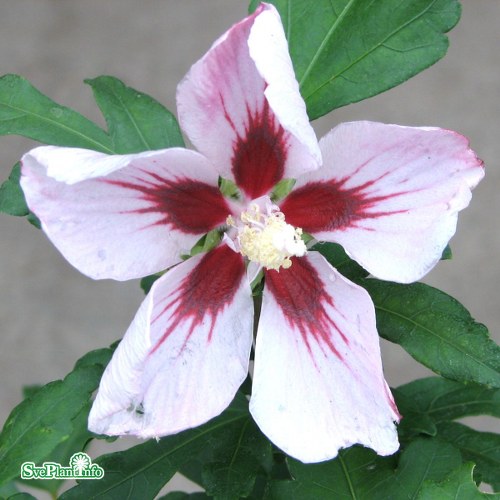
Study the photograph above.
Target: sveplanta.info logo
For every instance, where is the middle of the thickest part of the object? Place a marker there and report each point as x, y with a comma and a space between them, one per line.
80, 467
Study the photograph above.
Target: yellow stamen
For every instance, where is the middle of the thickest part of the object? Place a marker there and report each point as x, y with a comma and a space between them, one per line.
268, 239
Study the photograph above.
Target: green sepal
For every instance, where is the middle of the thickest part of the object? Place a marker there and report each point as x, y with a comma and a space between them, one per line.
229, 189
282, 189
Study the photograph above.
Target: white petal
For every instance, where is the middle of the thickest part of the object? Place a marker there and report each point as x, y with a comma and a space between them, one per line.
389, 194
185, 354
124, 216
240, 105
318, 383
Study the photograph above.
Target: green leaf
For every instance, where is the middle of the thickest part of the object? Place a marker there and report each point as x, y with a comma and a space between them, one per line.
447, 253
141, 471
436, 330
8, 489
358, 473
100, 357
193, 469
77, 441
39, 424
181, 495
355, 473
34, 220
338, 258
482, 448
22, 496
238, 458
438, 400
458, 485
147, 282
344, 51
422, 460
136, 122
26, 111
12, 200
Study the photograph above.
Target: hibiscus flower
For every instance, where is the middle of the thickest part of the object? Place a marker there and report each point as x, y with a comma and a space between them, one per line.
389, 195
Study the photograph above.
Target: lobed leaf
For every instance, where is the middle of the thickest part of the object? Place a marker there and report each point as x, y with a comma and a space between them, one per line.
77, 441
422, 460
136, 122
344, 51
359, 473
26, 111
436, 330
51, 416
458, 485
441, 399
482, 448
141, 471
236, 462
12, 200
8, 489
356, 473
22, 496
37, 425
181, 495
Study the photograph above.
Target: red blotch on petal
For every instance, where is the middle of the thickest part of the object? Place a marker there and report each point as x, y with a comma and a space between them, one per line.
259, 156
204, 293
328, 206
187, 205
302, 297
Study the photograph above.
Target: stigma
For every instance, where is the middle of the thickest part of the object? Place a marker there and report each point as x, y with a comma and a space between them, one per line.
264, 237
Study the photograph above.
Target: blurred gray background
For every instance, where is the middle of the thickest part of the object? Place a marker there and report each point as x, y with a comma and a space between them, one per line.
50, 315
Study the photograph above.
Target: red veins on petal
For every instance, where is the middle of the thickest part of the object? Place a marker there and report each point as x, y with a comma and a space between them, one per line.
328, 206
259, 156
302, 297
187, 205
204, 293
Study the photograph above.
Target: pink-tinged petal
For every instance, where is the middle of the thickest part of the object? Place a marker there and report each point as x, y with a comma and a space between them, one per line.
389, 194
318, 384
240, 105
122, 217
184, 355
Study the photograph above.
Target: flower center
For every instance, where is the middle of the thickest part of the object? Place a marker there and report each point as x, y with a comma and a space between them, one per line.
265, 238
